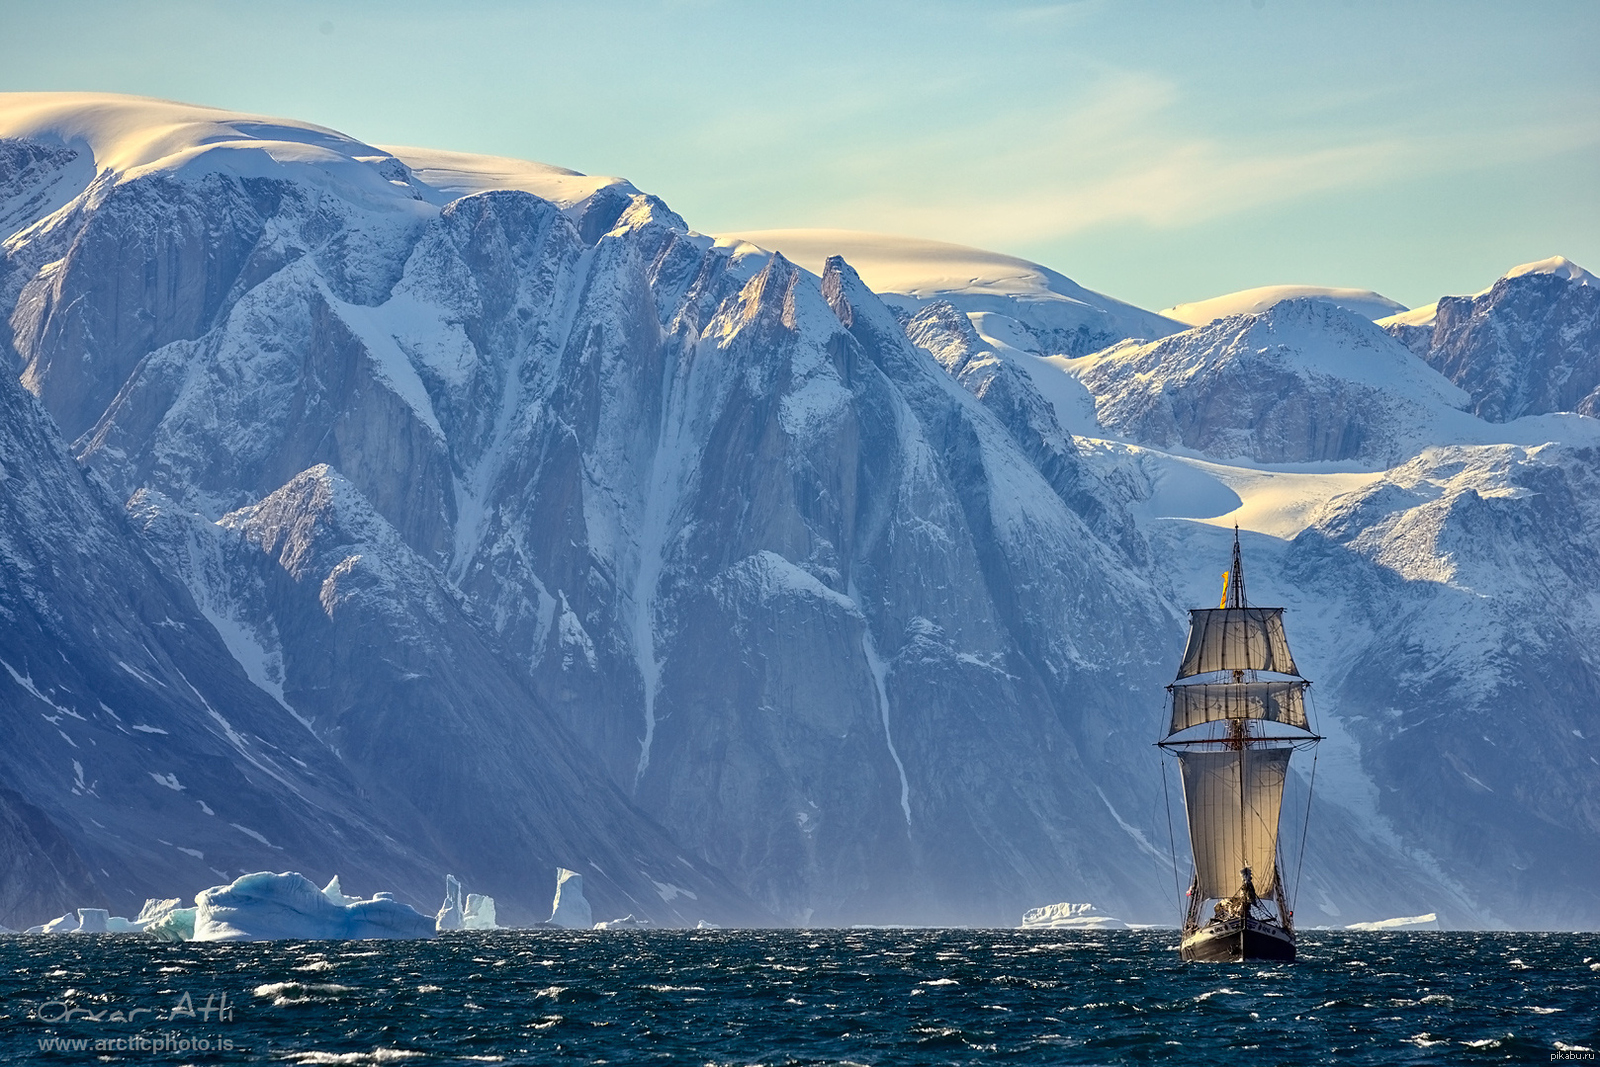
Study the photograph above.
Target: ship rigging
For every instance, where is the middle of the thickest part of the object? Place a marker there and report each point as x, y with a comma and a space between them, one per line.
1238, 712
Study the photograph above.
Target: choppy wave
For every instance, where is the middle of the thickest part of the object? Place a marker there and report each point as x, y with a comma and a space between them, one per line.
870, 997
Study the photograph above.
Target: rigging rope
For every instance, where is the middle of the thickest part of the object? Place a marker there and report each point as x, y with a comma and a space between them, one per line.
1311, 789
1172, 844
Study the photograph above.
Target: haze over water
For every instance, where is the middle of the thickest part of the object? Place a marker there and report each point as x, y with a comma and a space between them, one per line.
805, 997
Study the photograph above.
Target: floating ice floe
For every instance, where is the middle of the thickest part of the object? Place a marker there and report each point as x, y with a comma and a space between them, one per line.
1069, 917
627, 922
66, 924
270, 907
1429, 921
570, 909
703, 925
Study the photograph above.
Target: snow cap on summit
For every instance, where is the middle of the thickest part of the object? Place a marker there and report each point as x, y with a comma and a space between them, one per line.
1560, 266
1363, 302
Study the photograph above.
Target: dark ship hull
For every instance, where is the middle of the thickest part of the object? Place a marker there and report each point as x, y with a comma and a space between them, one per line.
1235, 941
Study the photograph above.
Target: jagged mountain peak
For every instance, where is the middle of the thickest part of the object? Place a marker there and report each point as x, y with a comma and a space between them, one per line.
316, 506
1056, 313
1554, 266
1527, 345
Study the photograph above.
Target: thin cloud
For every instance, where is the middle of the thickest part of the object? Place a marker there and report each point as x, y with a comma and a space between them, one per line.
1125, 155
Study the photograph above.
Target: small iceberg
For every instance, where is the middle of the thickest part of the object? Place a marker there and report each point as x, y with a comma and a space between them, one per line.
1069, 917
272, 907
627, 922
160, 919
479, 914
1429, 921
66, 924
570, 908
471, 911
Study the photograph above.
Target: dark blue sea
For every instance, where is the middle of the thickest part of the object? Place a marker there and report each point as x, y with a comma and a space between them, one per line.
800, 997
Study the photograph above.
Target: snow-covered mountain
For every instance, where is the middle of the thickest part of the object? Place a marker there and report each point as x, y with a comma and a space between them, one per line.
1302, 382
1443, 568
1363, 302
516, 509
738, 539
1527, 345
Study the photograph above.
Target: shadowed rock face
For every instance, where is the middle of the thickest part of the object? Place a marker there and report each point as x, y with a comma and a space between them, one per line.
1470, 574
384, 662
947, 334
1529, 346
1303, 381
139, 758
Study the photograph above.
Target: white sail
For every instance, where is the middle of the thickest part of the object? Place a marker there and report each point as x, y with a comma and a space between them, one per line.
1233, 797
1203, 702
1236, 639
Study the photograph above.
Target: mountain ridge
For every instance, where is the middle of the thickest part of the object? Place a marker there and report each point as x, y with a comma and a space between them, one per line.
855, 596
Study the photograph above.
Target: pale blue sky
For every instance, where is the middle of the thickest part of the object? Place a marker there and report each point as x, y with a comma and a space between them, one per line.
1160, 152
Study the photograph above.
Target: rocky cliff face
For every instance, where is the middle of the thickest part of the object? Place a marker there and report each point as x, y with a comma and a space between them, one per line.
492, 496
1468, 573
1304, 381
1528, 346
139, 756
518, 513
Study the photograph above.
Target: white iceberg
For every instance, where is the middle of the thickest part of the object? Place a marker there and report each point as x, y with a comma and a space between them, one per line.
703, 925
570, 909
627, 922
450, 912
472, 911
85, 921
1069, 917
101, 921
93, 920
1429, 921
479, 914
270, 907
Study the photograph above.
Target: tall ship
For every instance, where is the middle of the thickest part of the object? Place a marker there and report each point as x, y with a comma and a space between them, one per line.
1238, 713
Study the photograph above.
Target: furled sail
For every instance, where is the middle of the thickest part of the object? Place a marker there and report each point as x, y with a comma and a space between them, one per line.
1233, 798
1236, 639
1201, 702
